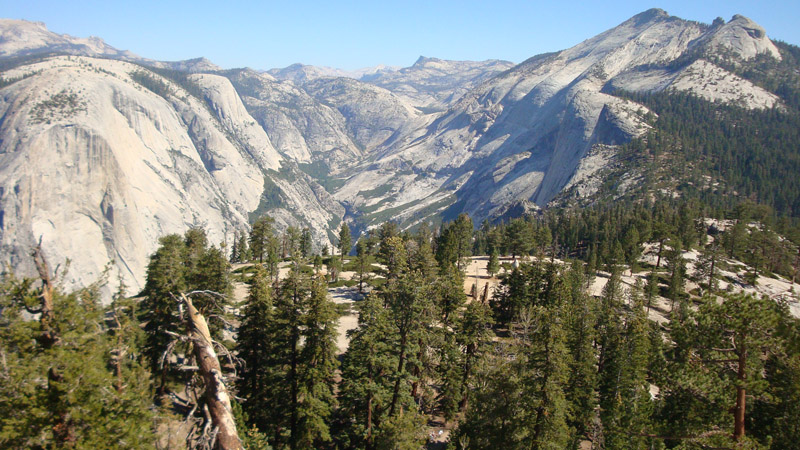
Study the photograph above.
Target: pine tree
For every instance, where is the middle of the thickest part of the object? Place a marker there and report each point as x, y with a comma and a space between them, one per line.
318, 368
290, 305
366, 389
362, 263
243, 250
580, 321
625, 399
260, 234
305, 242
166, 278
473, 334
717, 363
89, 389
393, 254
409, 301
345, 239
493, 266
708, 265
549, 373
334, 268
254, 346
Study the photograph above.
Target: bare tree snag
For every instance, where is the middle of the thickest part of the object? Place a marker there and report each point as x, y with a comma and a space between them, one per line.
217, 396
49, 334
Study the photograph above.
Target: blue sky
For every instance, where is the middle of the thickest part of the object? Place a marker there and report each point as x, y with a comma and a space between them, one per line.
353, 34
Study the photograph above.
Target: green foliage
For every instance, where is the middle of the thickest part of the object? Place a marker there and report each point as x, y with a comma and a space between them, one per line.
365, 392
255, 332
288, 343
271, 197
180, 265
152, 82
89, 390
455, 242
718, 359
62, 105
345, 239
493, 266
750, 152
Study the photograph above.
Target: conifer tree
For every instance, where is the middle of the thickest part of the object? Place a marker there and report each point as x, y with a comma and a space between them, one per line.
305, 242
318, 368
243, 251
625, 397
260, 234
362, 263
493, 266
717, 365
89, 389
473, 334
366, 389
166, 277
254, 346
345, 239
548, 356
408, 299
580, 320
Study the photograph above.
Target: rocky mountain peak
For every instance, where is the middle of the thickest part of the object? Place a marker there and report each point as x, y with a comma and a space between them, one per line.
422, 61
21, 37
744, 37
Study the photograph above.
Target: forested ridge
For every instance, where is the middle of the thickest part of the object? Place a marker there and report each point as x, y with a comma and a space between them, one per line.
718, 153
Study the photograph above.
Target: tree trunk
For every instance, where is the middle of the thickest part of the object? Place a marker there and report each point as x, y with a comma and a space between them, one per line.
470, 352
401, 361
660, 248
738, 413
368, 439
711, 275
49, 335
217, 397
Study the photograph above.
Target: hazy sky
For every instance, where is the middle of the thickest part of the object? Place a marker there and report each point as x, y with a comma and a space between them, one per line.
355, 34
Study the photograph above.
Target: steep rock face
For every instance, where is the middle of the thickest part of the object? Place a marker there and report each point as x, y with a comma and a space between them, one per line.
701, 78
230, 110
98, 168
299, 126
372, 114
522, 134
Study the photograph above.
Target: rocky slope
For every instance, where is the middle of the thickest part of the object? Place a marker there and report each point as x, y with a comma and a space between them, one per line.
99, 167
523, 134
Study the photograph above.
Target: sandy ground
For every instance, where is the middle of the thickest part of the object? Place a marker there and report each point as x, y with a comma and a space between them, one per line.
730, 280
476, 274
347, 296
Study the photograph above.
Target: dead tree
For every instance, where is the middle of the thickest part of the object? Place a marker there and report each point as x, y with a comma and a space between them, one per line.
217, 396
49, 335
219, 431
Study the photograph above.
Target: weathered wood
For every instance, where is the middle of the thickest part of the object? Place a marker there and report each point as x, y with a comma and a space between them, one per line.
217, 396
49, 335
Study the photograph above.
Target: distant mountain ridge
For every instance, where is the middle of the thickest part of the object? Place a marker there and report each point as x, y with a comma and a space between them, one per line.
102, 151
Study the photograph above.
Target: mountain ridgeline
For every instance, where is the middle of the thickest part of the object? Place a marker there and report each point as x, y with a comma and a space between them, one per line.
102, 152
